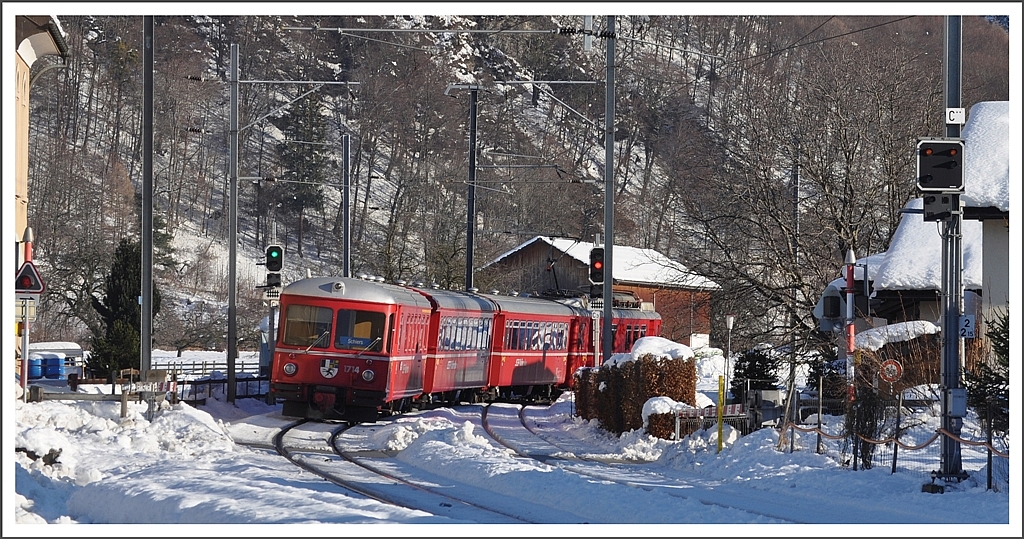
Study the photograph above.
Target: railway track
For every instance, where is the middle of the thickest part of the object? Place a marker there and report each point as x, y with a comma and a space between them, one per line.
504, 463
319, 448
347, 457
509, 427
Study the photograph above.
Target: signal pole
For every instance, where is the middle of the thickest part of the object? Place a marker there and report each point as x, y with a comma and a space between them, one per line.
609, 189
953, 396
232, 225
146, 293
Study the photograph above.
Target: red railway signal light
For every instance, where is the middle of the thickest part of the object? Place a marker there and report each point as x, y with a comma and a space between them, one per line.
597, 265
940, 165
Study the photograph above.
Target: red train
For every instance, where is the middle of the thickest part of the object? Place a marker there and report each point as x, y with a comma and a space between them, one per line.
352, 349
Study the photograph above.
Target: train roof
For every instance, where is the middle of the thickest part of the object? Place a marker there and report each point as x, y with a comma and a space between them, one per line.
518, 304
464, 301
378, 292
356, 290
635, 313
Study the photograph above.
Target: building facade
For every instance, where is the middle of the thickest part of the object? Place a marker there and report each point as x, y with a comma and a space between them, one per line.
543, 265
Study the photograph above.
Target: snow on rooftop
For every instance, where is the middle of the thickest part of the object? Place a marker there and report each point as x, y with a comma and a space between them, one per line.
874, 338
987, 156
914, 259
629, 264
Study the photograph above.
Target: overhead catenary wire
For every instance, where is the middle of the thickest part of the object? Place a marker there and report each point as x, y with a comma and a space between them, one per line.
424, 30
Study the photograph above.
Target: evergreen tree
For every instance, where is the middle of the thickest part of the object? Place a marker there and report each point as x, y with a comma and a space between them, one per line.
120, 312
988, 387
757, 367
832, 374
304, 159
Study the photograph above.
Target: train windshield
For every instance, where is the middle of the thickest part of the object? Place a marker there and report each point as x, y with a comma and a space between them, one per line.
359, 330
307, 325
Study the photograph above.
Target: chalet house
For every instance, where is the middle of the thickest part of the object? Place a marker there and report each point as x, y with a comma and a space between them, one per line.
904, 283
909, 279
987, 198
545, 264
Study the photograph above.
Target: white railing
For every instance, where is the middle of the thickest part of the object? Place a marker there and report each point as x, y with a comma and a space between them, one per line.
193, 369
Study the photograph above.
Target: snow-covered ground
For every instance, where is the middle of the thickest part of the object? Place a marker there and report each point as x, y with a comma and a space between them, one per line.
192, 466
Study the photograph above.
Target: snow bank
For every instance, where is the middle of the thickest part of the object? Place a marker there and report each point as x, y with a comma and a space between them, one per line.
875, 338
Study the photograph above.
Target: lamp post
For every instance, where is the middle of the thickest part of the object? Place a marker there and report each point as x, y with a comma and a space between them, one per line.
730, 320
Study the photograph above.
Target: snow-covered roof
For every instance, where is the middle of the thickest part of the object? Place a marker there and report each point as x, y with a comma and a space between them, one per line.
987, 156
629, 264
914, 258
875, 338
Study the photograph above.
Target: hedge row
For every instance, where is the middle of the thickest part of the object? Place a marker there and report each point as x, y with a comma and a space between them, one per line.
615, 395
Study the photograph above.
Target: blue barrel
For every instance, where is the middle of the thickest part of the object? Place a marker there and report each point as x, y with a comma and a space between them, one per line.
53, 367
35, 368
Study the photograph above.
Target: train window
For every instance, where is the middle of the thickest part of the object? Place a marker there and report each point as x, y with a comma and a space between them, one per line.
485, 334
307, 325
359, 330
512, 335
460, 333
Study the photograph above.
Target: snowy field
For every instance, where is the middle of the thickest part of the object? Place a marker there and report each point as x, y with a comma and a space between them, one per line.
191, 466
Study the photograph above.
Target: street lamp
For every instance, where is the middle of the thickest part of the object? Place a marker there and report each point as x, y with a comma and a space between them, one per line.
730, 320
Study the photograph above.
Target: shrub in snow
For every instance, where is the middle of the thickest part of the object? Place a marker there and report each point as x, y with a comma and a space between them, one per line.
616, 393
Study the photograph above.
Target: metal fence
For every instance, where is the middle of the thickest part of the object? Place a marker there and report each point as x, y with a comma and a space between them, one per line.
196, 391
686, 425
902, 448
192, 370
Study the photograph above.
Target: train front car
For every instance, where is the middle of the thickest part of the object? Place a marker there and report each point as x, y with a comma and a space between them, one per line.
348, 348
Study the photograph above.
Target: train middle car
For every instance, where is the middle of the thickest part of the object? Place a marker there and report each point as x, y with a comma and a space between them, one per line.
352, 349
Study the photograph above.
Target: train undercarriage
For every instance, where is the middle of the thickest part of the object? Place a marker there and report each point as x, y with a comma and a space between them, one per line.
330, 403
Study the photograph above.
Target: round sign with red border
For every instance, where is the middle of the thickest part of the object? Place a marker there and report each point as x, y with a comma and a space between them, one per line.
891, 370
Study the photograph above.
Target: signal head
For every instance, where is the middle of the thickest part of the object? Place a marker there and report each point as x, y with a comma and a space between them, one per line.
275, 258
596, 274
940, 165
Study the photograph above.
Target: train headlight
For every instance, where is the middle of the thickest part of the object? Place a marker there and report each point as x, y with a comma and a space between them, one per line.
367, 375
290, 369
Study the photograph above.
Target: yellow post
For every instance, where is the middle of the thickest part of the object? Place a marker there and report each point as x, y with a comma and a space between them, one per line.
721, 406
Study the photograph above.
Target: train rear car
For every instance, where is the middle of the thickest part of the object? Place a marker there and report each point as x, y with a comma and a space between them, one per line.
630, 322
347, 348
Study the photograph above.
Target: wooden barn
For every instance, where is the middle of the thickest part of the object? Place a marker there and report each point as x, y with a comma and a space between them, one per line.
545, 264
